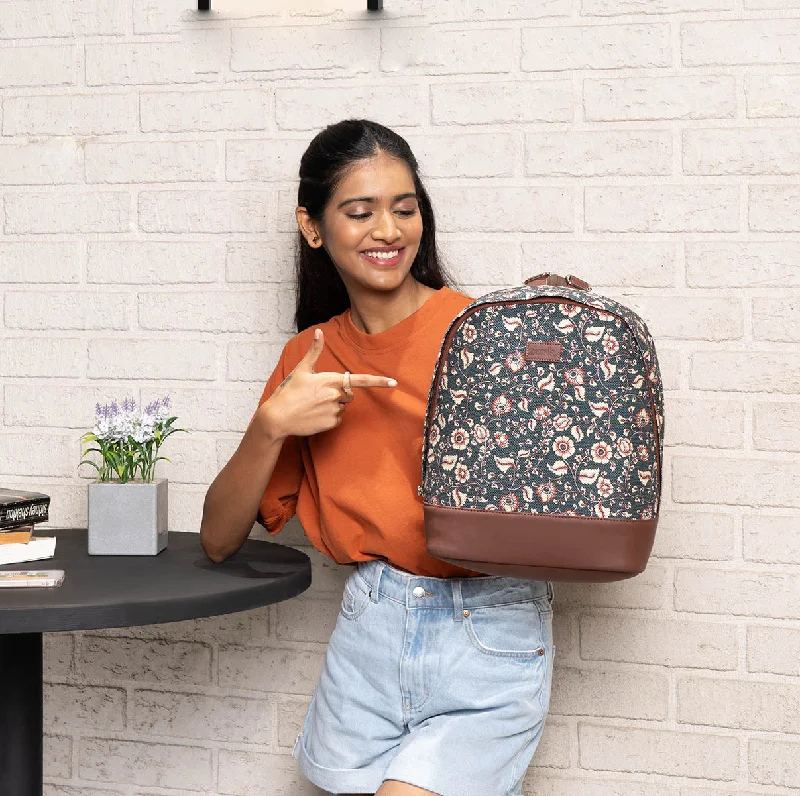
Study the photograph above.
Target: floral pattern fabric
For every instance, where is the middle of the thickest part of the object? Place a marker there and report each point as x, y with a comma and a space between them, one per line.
508, 430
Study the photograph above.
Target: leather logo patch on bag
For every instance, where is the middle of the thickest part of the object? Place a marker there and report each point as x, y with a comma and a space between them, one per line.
543, 352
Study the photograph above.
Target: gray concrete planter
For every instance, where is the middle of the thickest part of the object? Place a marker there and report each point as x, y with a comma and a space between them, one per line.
127, 519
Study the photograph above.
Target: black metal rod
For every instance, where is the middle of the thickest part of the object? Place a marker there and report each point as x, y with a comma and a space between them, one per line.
372, 5
21, 714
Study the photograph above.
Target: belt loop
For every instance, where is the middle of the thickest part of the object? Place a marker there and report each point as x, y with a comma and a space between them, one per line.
549, 591
373, 592
458, 603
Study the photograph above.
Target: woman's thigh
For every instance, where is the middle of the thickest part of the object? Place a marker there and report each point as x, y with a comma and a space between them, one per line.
392, 787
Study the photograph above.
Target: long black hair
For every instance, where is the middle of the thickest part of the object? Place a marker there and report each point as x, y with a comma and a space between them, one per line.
321, 293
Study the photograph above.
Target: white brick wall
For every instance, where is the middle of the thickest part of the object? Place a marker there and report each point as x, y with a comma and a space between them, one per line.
147, 162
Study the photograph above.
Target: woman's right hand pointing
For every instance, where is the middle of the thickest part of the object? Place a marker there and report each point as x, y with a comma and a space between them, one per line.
306, 402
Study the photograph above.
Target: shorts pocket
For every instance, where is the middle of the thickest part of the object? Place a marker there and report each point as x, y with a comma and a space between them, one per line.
546, 602
356, 596
515, 630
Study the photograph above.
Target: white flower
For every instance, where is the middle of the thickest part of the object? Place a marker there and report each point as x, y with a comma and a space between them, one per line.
481, 433
561, 422
459, 439
130, 434
604, 487
601, 452
564, 447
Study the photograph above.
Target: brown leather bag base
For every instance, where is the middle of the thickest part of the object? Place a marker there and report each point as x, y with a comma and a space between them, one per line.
543, 573
560, 548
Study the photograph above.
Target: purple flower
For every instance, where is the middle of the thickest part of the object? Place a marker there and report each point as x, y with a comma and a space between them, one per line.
131, 432
158, 410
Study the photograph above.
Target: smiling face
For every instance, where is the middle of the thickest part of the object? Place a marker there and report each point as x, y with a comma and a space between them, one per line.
371, 227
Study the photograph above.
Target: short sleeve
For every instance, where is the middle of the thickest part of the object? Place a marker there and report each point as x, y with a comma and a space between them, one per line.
279, 502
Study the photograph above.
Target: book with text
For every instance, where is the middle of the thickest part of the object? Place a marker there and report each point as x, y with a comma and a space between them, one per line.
38, 548
28, 577
19, 507
19, 535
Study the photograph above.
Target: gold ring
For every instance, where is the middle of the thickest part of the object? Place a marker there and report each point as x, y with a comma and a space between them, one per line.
346, 382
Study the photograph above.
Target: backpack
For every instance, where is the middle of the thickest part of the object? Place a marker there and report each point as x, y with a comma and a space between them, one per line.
543, 440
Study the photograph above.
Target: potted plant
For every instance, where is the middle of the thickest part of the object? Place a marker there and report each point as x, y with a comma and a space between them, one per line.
128, 514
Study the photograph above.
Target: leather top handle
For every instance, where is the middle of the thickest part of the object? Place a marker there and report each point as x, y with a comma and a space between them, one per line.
554, 280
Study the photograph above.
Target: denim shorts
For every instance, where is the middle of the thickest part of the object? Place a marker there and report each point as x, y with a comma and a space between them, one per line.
443, 683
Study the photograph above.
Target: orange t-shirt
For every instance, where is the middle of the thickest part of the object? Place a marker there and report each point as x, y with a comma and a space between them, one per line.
354, 487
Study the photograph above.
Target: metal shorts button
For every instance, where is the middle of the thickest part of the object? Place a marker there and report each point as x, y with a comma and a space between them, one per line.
418, 591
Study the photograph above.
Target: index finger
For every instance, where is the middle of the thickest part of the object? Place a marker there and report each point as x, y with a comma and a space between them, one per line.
369, 380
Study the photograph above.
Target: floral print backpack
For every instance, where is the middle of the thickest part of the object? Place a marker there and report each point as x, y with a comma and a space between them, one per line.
543, 436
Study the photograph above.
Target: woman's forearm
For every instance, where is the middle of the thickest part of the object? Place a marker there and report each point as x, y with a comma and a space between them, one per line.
232, 501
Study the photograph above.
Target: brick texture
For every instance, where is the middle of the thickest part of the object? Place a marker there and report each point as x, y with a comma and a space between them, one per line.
775, 763
148, 176
682, 754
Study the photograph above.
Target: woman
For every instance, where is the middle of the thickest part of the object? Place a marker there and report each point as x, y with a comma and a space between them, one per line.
436, 678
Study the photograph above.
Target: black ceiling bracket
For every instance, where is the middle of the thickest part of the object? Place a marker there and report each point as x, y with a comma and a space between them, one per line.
372, 5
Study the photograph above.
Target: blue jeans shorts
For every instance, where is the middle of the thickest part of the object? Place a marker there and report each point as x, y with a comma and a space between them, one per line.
443, 683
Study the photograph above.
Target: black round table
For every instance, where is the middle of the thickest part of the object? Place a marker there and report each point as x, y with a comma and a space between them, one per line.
118, 591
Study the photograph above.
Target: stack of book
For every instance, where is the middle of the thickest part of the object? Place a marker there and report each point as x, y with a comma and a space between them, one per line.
20, 512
